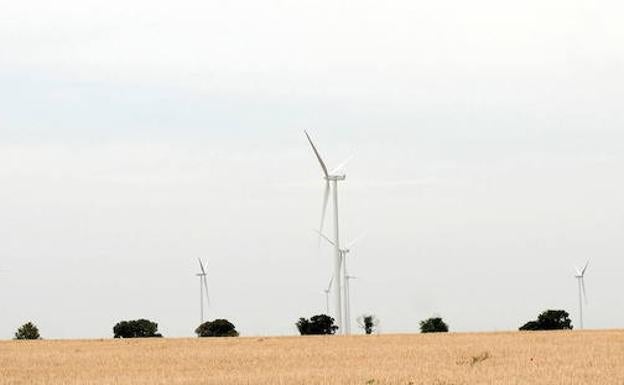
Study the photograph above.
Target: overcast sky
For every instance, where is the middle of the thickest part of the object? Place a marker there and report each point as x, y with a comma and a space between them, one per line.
136, 136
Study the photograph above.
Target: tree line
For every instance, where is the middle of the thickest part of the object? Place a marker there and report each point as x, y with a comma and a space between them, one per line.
320, 324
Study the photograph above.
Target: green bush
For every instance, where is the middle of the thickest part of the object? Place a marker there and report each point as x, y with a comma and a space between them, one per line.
216, 328
433, 325
317, 325
27, 331
549, 320
140, 328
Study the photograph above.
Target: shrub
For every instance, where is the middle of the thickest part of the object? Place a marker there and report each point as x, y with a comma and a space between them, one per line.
216, 328
549, 320
433, 325
317, 325
27, 331
368, 322
140, 328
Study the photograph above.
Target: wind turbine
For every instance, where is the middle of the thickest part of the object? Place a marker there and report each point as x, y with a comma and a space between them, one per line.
331, 184
580, 276
347, 296
203, 285
326, 291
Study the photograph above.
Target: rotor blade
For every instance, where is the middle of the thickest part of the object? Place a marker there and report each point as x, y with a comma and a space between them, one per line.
356, 240
201, 266
318, 156
325, 238
578, 272
584, 268
342, 165
206, 288
324, 209
583, 289
330, 284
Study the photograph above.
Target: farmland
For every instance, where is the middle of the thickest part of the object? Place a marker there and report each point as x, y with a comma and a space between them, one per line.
569, 357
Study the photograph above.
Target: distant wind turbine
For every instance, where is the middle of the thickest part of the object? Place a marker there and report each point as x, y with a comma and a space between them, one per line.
331, 184
203, 285
347, 295
580, 276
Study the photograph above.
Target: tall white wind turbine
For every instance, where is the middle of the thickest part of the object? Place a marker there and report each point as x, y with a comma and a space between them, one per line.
346, 288
327, 291
203, 286
331, 184
580, 276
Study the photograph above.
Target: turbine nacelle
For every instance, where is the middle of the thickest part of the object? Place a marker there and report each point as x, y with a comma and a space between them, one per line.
335, 178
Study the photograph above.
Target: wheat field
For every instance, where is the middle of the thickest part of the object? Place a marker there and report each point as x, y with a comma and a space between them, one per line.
571, 357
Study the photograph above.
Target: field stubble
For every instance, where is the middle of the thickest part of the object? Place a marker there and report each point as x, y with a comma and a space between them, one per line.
572, 357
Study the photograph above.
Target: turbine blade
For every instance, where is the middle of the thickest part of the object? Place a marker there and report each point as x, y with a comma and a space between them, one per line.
342, 165
584, 268
325, 238
206, 288
331, 281
324, 209
356, 240
583, 289
201, 266
318, 156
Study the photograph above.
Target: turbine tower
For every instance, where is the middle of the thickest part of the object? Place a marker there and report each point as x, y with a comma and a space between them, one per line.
203, 285
347, 288
326, 291
580, 276
347, 295
331, 184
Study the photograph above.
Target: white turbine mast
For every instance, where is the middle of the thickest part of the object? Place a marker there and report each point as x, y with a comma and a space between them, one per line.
580, 276
203, 286
331, 184
327, 291
346, 288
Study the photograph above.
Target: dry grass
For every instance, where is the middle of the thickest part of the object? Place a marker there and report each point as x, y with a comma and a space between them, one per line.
589, 357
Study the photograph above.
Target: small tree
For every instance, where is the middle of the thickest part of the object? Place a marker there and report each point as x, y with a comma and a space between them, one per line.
368, 322
27, 331
433, 325
140, 328
317, 325
550, 320
216, 328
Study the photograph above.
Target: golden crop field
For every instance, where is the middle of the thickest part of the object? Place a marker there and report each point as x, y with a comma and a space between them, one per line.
566, 358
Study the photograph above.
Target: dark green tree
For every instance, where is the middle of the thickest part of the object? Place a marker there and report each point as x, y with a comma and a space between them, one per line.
140, 328
216, 328
433, 325
550, 320
317, 325
27, 331
368, 322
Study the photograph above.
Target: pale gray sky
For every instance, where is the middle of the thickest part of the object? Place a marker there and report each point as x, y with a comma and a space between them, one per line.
136, 136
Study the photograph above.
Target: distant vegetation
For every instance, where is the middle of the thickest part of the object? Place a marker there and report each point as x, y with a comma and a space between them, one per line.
216, 328
369, 323
140, 328
433, 325
317, 325
320, 324
549, 320
27, 331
